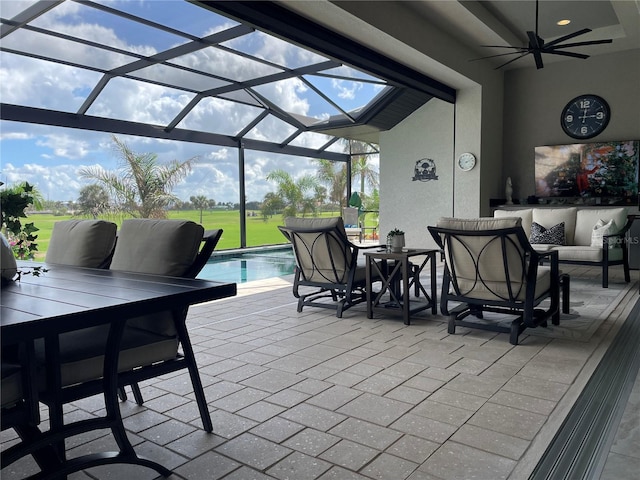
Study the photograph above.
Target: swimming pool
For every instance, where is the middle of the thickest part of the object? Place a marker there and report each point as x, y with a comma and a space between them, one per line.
249, 265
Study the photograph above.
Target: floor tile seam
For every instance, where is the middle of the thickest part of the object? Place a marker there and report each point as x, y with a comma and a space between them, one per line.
443, 445
227, 319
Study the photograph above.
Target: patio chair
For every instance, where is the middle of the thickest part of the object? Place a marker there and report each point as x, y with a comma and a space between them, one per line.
82, 243
150, 344
351, 220
491, 267
20, 408
326, 261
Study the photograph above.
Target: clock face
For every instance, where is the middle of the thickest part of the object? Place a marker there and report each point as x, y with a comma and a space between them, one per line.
466, 161
585, 116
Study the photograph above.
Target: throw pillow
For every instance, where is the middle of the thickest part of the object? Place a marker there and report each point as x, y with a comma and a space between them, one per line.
600, 229
7, 259
553, 235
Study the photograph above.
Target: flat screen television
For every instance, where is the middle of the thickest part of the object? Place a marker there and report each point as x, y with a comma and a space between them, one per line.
603, 172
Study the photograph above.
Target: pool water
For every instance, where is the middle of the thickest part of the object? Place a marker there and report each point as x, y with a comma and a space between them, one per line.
240, 267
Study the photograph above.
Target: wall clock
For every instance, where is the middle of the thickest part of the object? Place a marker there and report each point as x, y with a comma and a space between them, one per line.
585, 116
466, 161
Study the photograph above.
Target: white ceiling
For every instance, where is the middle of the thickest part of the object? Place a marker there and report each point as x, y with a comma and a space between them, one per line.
504, 22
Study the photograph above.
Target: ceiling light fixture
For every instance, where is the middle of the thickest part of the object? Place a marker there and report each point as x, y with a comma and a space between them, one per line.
562, 23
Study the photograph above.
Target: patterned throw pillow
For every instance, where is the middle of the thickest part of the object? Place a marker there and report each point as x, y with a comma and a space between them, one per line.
553, 235
600, 229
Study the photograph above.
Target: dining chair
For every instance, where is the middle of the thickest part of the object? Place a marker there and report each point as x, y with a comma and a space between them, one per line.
491, 267
326, 261
151, 345
82, 243
19, 404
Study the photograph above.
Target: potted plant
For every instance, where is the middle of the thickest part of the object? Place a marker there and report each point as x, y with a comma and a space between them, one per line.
395, 240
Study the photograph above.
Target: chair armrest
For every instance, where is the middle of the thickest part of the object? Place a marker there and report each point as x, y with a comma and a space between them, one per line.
210, 240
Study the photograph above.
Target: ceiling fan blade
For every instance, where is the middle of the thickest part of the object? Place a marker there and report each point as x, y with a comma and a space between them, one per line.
579, 44
523, 50
568, 37
502, 46
567, 54
535, 46
512, 60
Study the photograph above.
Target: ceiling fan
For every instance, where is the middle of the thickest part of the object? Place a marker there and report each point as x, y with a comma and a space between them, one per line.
537, 46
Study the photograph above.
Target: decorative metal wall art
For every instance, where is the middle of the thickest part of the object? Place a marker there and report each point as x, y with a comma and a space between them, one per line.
425, 170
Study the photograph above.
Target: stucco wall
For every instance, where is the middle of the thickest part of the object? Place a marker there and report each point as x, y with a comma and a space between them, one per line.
413, 205
534, 100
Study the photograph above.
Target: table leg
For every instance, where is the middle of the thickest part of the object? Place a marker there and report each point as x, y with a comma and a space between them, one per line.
369, 287
434, 284
565, 285
406, 303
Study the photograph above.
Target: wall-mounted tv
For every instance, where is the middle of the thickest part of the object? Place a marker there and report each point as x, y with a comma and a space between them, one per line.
603, 172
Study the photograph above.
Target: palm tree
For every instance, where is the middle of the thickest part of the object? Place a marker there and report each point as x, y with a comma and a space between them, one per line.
335, 177
361, 168
141, 186
298, 196
200, 202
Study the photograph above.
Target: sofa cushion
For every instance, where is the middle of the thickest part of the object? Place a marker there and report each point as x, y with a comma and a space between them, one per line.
525, 215
585, 254
554, 235
587, 218
548, 217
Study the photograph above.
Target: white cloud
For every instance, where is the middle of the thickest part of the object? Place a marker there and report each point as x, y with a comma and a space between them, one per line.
50, 157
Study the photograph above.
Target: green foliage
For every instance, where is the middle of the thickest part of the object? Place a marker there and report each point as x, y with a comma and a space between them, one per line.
93, 200
394, 232
14, 202
142, 187
298, 196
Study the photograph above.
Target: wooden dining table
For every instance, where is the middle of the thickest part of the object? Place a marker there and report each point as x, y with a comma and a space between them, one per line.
49, 300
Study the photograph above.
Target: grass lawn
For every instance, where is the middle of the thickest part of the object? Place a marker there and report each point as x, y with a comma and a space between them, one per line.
259, 232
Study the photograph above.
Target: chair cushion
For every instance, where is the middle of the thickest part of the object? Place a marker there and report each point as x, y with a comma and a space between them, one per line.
314, 223
82, 352
477, 224
7, 260
498, 291
551, 236
159, 247
81, 243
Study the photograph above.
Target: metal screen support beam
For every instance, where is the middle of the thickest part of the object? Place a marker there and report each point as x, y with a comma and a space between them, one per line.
242, 195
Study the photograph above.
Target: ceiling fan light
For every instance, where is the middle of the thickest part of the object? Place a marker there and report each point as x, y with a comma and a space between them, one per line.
564, 22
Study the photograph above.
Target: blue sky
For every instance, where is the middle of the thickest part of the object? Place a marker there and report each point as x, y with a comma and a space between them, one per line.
50, 157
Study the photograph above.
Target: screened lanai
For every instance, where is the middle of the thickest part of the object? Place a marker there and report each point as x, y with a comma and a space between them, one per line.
216, 80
